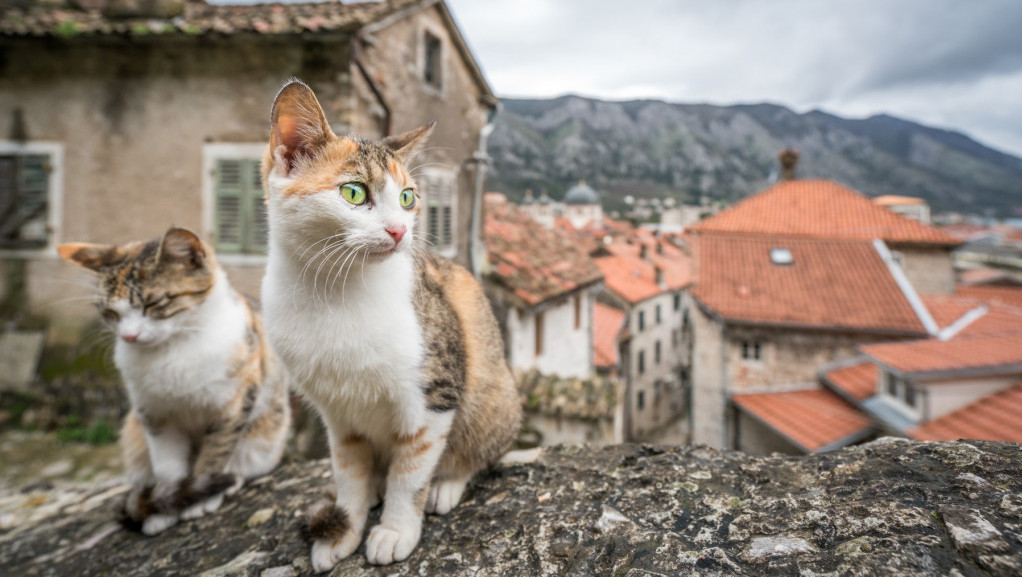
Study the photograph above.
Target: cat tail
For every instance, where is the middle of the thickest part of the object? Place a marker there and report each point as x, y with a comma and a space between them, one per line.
188, 492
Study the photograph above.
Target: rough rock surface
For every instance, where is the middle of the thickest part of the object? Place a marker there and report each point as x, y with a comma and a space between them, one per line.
888, 508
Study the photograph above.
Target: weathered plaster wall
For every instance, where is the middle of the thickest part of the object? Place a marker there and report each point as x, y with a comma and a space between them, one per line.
708, 397
567, 351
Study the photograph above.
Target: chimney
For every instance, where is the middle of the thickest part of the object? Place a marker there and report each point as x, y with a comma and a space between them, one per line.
789, 160
642, 251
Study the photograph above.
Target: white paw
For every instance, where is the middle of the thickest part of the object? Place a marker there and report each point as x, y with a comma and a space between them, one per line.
444, 495
386, 545
159, 523
239, 481
203, 508
328, 552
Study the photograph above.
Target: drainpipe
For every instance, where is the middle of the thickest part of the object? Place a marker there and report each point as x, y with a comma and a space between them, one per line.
356, 57
477, 248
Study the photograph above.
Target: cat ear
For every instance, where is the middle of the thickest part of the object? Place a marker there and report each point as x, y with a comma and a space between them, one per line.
182, 245
90, 256
297, 123
405, 144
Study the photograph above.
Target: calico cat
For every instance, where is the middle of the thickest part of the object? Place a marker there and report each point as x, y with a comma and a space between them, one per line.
209, 400
396, 349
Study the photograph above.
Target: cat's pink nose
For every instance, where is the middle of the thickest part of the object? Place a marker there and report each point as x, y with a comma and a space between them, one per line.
130, 338
397, 232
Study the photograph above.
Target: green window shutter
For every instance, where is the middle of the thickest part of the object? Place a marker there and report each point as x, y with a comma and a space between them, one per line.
257, 231
230, 205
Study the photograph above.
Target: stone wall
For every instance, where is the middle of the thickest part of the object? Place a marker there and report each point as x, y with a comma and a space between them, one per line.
891, 507
929, 270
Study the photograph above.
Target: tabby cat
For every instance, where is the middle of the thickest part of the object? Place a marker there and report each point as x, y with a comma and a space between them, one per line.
209, 400
397, 350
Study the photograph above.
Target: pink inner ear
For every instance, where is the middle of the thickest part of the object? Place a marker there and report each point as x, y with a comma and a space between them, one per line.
287, 124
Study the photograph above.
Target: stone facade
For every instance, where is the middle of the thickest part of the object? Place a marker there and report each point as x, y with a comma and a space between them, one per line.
930, 270
137, 127
555, 339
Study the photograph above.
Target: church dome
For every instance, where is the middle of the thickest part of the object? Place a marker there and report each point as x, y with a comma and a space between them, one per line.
581, 193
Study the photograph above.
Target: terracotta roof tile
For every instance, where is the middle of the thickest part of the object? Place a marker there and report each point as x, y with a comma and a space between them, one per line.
959, 353
199, 18
820, 208
530, 261
896, 200
946, 309
1011, 296
836, 284
989, 276
858, 382
812, 419
992, 418
607, 325
630, 278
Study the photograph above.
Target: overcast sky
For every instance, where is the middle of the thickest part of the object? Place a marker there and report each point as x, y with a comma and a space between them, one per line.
948, 63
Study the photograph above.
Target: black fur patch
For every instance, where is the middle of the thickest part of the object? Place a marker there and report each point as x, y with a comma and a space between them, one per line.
191, 491
329, 522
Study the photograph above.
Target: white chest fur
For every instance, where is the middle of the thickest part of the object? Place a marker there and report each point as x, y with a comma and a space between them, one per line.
356, 351
191, 370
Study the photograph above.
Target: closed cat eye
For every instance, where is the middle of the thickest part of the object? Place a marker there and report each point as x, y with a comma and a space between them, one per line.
354, 193
111, 316
407, 198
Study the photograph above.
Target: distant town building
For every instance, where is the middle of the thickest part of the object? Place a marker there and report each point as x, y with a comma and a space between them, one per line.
907, 206
582, 206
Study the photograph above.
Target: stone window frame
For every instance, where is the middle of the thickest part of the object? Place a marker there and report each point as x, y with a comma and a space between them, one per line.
751, 350
432, 31
54, 195
211, 154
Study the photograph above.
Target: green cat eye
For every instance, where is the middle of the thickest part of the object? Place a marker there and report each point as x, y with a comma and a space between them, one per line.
354, 193
407, 198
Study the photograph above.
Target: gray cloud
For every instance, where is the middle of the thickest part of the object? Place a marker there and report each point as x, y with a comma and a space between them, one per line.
943, 62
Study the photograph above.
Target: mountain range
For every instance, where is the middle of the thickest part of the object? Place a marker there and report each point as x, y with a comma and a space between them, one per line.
650, 148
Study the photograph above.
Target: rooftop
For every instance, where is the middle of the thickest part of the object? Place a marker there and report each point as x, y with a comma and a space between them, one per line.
1011, 296
857, 382
530, 261
198, 18
895, 200
994, 418
634, 278
581, 193
812, 420
821, 208
836, 284
964, 353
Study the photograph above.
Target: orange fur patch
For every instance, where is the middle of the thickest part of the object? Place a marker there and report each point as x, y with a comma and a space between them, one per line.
407, 439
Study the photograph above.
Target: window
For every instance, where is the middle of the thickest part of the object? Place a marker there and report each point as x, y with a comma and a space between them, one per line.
656, 353
240, 214
642, 362
642, 320
910, 396
437, 187
432, 71
677, 302
892, 385
658, 314
539, 334
781, 256
578, 311
751, 351
674, 337
24, 200
640, 400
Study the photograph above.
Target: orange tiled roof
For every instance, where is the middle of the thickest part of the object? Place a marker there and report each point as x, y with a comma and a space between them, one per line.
992, 418
821, 208
999, 319
836, 284
1011, 296
960, 353
673, 262
989, 276
630, 278
530, 261
857, 381
607, 324
946, 309
812, 420
896, 200
199, 18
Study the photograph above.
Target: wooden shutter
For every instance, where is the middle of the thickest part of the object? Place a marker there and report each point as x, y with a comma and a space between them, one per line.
241, 225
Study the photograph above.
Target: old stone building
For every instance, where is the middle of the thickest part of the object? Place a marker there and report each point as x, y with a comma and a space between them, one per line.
647, 278
769, 310
116, 123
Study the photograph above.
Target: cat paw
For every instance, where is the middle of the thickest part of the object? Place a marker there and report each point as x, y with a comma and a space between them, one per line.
387, 545
445, 495
159, 523
326, 553
203, 508
138, 503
